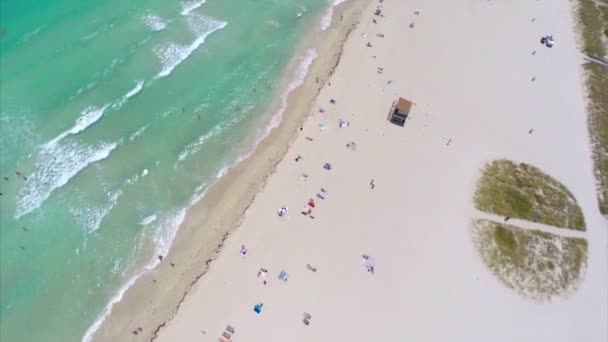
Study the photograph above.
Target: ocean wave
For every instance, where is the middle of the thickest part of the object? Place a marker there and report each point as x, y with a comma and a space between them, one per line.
134, 91
88, 117
81, 90
102, 29
91, 217
165, 233
189, 6
148, 219
326, 20
88, 335
138, 132
199, 194
298, 78
116, 267
215, 131
163, 237
194, 147
17, 133
57, 164
26, 37
154, 22
172, 55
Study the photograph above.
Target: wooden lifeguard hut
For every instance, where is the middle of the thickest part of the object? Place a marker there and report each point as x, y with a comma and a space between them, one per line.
399, 111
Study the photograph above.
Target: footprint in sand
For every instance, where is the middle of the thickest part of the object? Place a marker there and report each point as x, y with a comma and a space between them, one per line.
542, 254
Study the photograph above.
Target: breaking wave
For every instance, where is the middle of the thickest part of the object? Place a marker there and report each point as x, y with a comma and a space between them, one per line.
57, 164
87, 118
154, 22
136, 90
172, 54
189, 6
326, 20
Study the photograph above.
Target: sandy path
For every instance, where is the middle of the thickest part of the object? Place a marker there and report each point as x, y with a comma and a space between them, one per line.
479, 90
529, 225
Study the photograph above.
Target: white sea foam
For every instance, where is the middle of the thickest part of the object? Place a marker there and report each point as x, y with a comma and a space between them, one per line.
116, 267
163, 236
57, 164
101, 29
132, 179
215, 131
166, 231
134, 91
138, 132
30, 35
91, 217
138, 87
168, 112
154, 22
199, 194
299, 74
172, 55
87, 118
326, 20
148, 219
194, 147
189, 6
88, 335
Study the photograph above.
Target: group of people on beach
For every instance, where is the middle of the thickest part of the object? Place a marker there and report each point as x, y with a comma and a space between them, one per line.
368, 262
548, 41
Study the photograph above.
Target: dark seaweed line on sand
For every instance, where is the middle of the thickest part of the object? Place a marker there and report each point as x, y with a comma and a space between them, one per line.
220, 246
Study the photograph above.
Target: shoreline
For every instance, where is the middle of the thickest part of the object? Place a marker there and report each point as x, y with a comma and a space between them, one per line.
161, 282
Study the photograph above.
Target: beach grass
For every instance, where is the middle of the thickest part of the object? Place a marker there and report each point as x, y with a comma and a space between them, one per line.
523, 191
536, 264
593, 21
597, 88
593, 29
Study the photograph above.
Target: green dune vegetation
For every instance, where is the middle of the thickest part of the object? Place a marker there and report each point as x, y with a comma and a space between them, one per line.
523, 191
593, 24
536, 264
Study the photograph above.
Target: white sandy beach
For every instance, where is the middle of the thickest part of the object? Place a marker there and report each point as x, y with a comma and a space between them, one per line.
468, 66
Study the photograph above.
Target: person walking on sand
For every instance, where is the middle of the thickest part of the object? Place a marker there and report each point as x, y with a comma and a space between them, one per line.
369, 263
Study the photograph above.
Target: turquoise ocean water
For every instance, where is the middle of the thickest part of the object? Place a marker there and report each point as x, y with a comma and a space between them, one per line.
115, 116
